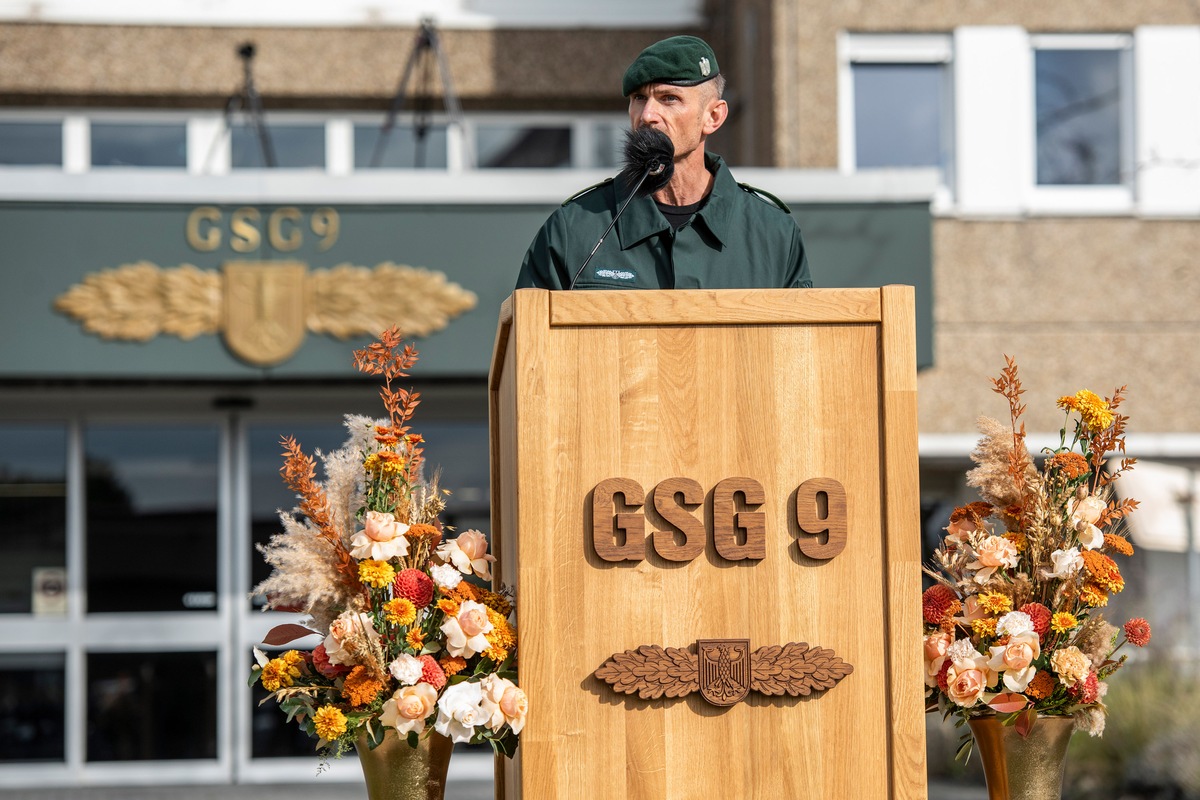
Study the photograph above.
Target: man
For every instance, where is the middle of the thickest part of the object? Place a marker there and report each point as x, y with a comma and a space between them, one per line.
702, 230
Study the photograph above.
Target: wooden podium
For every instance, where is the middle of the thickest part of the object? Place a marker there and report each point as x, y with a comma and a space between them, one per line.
713, 493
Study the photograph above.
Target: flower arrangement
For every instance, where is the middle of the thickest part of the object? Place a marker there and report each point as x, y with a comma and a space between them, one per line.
410, 644
1012, 626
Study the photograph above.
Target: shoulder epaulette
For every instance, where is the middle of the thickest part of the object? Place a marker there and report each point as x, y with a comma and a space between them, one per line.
582, 192
765, 195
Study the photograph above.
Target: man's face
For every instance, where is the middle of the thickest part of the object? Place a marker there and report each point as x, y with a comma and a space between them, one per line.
686, 114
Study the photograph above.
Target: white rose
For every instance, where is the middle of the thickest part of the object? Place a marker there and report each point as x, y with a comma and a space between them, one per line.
468, 553
406, 669
1067, 563
1086, 511
460, 711
503, 702
466, 632
349, 625
1015, 660
408, 708
1090, 536
445, 576
382, 538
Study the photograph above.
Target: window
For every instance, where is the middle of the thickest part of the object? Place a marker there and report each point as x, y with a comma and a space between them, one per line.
292, 146
31, 143
895, 104
33, 696
33, 518
151, 517
406, 147
1081, 91
531, 147
133, 706
139, 145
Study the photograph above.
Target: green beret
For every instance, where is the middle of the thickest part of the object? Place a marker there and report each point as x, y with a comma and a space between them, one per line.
679, 61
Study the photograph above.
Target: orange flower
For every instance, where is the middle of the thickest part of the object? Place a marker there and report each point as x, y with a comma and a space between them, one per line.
1072, 465
1093, 594
415, 639
1018, 540
452, 665
448, 606
1137, 631
1067, 403
1118, 544
939, 602
1103, 570
360, 687
1041, 687
502, 638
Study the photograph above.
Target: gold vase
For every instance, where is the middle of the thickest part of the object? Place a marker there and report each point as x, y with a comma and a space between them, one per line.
1029, 768
395, 771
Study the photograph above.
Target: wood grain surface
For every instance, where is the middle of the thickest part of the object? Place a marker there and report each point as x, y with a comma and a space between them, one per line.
779, 387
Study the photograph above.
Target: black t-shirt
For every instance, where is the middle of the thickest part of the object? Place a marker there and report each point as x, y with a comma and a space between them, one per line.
678, 216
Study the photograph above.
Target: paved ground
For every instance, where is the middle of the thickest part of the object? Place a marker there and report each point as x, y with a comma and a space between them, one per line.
457, 790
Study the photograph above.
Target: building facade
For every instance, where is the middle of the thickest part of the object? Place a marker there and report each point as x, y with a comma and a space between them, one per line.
1034, 171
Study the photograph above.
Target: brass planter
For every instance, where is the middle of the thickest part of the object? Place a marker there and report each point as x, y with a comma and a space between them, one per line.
395, 771
1017, 768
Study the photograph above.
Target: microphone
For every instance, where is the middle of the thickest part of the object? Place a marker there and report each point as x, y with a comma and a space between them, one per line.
649, 165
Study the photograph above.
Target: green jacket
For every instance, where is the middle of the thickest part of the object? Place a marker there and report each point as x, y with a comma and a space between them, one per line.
738, 240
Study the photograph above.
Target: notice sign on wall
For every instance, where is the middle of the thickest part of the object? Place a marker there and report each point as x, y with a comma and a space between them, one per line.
49, 591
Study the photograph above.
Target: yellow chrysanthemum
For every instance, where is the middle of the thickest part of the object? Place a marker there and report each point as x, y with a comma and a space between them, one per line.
995, 602
1063, 621
400, 611
415, 639
1067, 402
496, 602
330, 722
1093, 595
277, 674
292, 658
449, 607
502, 638
385, 463
376, 573
1018, 540
984, 627
1094, 411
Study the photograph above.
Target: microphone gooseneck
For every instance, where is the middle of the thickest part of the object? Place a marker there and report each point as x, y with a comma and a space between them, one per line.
649, 165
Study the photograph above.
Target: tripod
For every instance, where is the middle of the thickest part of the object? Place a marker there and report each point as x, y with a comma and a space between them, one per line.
246, 99
426, 53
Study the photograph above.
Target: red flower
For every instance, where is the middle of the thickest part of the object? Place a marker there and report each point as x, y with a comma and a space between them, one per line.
431, 673
1040, 616
1137, 631
939, 602
1086, 691
942, 682
413, 585
321, 662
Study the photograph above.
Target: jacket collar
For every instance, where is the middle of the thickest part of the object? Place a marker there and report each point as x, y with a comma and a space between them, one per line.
642, 219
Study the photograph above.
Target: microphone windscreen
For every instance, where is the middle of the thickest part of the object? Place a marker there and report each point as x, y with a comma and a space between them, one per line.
648, 149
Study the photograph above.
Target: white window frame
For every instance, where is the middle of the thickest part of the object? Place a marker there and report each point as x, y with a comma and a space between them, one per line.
209, 148
1086, 200
874, 48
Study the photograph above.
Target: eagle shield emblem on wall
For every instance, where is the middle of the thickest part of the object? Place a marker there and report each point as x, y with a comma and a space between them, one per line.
264, 309
724, 670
